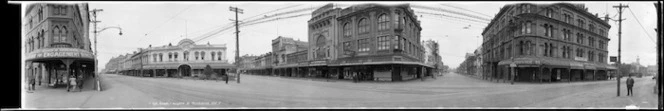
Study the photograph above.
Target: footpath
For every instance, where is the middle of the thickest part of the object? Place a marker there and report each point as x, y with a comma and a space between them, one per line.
606, 97
114, 95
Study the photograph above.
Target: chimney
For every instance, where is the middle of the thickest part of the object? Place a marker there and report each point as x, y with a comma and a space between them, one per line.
606, 18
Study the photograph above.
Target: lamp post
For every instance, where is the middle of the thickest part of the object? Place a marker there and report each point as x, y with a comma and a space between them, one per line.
95, 31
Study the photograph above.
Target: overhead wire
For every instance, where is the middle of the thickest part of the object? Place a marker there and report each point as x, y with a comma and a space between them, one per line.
450, 11
466, 10
644, 29
258, 21
169, 19
448, 16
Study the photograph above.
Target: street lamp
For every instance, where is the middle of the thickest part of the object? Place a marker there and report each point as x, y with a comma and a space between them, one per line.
95, 31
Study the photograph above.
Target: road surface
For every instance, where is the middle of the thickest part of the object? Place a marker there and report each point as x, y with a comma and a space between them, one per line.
449, 91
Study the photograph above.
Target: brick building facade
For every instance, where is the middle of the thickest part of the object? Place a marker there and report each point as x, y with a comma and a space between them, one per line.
546, 42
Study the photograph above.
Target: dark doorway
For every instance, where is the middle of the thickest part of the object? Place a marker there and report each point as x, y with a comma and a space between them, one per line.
185, 70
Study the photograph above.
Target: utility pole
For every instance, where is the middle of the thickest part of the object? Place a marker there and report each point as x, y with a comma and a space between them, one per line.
658, 6
94, 22
620, 9
237, 41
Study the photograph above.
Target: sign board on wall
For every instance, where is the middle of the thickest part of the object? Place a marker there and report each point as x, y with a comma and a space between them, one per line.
60, 53
580, 58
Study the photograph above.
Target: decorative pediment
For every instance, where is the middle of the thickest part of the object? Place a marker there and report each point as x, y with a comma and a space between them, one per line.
186, 44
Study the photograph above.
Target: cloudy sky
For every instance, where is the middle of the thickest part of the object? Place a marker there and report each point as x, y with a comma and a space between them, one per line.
161, 23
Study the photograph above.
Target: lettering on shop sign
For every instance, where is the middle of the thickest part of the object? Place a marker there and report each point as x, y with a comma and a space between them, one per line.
61, 54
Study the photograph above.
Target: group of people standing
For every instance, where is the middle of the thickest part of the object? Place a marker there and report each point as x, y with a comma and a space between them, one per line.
72, 81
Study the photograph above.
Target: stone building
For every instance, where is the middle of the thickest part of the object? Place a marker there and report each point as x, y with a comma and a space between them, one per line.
546, 42
186, 59
56, 44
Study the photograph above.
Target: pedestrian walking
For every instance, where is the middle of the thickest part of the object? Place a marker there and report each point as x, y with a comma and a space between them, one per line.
31, 83
630, 84
72, 83
354, 77
80, 82
226, 78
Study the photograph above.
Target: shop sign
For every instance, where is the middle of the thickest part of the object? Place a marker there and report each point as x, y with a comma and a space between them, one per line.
580, 58
318, 63
61, 55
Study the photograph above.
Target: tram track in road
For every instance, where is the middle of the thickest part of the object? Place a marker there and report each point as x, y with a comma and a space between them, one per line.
236, 99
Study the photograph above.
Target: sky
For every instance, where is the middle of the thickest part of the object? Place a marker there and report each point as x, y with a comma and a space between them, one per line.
161, 23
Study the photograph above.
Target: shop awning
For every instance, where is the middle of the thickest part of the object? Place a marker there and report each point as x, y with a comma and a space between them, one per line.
576, 65
606, 67
589, 66
522, 62
59, 53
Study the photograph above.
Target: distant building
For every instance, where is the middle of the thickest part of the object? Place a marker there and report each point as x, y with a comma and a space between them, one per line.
652, 70
56, 43
285, 45
548, 42
432, 57
186, 59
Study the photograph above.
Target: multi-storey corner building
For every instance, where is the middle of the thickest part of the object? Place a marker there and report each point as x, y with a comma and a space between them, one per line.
186, 59
546, 42
370, 41
56, 42
381, 42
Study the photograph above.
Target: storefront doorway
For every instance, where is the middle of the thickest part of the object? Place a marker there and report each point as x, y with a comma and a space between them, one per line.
185, 70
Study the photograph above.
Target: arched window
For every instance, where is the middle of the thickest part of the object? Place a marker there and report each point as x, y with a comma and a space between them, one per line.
546, 30
185, 55
63, 10
196, 54
63, 35
212, 53
175, 56
551, 50
219, 53
347, 31
203, 55
161, 57
154, 57
396, 18
529, 26
521, 47
43, 38
546, 48
170, 56
363, 26
320, 44
55, 34
383, 22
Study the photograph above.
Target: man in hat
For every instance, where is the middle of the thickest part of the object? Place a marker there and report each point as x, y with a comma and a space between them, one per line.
630, 84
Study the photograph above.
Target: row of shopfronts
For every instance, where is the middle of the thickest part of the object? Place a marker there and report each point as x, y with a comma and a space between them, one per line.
537, 69
363, 71
164, 61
